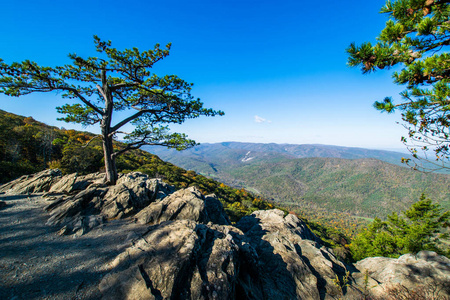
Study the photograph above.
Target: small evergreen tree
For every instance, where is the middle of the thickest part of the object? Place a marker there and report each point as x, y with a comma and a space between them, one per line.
415, 38
116, 81
418, 229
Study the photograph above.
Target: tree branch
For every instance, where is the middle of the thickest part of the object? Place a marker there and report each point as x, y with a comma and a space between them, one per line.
87, 144
85, 101
99, 88
122, 85
131, 118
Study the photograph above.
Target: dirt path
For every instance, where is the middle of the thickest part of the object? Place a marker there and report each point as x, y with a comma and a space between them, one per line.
36, 263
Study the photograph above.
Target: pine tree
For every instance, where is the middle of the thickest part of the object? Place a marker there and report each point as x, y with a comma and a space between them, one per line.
415, 38
116, 81
421, 227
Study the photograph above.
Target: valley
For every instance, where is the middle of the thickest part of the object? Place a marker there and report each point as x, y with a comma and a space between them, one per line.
315, 178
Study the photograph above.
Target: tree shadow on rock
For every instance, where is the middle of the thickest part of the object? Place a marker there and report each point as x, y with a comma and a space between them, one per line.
270, 274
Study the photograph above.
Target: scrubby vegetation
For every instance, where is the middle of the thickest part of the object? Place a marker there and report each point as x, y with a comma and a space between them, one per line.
25, 146
424, 226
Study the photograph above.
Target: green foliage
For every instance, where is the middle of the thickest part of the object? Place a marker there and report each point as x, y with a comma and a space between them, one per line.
421, 227
25, 146
77, 158
342, 283
416, 38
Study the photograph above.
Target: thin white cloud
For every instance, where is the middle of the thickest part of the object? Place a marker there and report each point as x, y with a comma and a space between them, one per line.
259, 119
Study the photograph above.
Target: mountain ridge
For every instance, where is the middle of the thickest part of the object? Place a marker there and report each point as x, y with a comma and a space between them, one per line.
233, 149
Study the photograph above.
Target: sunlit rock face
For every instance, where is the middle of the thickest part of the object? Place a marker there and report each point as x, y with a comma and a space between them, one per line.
426, 275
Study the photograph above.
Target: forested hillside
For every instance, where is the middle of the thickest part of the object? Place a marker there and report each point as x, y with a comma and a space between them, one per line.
363, 187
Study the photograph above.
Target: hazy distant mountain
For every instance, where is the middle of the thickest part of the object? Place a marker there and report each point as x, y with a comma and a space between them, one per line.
206, 158
360, 181
317, 150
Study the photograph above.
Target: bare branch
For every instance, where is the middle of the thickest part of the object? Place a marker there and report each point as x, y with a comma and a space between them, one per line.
99, 88
84, 100
87, 144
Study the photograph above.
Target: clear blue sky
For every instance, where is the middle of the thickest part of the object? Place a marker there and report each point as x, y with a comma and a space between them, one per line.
277, 68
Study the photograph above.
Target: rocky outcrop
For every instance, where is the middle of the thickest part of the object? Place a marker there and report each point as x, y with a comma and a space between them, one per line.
188, 249
73, 182
35, 183
80, 203
266, 256
79, 212
179, 260
133, 192
424, 275
292, 262
186, 204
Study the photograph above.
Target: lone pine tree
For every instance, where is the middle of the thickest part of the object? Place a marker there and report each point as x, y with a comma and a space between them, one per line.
415, 39
116, 81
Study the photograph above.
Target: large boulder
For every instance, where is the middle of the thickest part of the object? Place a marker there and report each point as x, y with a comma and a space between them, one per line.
185, 204
35, 183
79, 203
181, 260
77, 213
75, 202
269, 256
131, 193
74, 182
292, 262
425, 275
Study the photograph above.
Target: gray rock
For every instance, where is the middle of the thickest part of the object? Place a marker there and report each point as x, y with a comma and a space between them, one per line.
78, 212
273, 257
80, 203
133, 192
35, 183
64, 185
426, 275
72, 182
292, 262
181, 260
185, 204
216, 212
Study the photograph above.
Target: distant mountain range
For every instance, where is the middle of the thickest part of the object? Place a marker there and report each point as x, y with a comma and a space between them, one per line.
232, 152
363, 182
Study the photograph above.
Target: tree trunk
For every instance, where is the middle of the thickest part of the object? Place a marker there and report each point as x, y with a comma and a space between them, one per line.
110, 164
105, 125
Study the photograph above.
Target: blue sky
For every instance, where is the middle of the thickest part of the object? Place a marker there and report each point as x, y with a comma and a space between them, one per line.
277, 68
